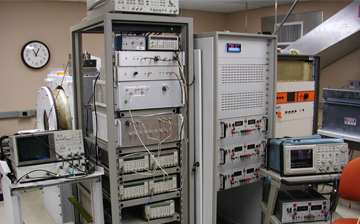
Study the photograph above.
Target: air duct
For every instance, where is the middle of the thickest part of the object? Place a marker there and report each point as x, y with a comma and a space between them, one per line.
334, 38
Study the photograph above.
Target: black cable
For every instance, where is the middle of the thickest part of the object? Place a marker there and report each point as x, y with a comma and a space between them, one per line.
86, 114
333, 196
37, 170
192, 81
96, 122
1, 146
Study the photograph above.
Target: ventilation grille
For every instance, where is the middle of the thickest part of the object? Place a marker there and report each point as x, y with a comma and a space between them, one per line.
290, 32
242, 100
233, 74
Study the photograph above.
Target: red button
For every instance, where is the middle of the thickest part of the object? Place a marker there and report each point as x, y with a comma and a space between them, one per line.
249, 129
248, 179
233, 129
245, 121
248, 154
229, 125
294, 205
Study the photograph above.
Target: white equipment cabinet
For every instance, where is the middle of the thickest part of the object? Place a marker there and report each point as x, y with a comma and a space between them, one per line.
297, 96
141, 95
237, 99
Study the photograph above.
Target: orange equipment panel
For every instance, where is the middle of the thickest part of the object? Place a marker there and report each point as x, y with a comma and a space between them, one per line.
291, 97
305, 96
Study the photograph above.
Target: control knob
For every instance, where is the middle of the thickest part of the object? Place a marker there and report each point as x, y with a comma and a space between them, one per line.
343, 149
68, 136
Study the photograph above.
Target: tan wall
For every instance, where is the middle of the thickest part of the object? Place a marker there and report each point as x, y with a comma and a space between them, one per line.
21, 22
236, 21
206, 21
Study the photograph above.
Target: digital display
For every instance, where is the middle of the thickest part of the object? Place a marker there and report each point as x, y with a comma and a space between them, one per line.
134, 158
251, 121
163, 38
239, 123
134, 185
166, 154
237, 173
302, 208
316, 207
238, 149
290, 97
250, 170
302, 158
252, 146
31, 148
162, 180
234, 48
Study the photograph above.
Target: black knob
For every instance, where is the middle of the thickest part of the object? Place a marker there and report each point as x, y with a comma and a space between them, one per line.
135, 73
128, 123
165, 88
306, 96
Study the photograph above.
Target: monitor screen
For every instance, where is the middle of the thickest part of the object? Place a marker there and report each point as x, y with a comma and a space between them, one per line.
33, 148
302, 158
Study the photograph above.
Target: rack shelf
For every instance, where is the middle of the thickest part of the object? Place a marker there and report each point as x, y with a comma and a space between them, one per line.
132, 218
155, 198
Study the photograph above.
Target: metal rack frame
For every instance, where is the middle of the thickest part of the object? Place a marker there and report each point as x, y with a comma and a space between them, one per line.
276, 182
12, 193
106, 24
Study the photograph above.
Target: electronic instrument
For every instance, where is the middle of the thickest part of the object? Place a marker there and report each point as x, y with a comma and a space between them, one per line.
308, 155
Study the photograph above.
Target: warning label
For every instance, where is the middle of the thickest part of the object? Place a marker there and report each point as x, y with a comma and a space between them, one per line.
350, 121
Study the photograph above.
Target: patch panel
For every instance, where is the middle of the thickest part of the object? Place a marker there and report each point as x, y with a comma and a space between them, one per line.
146, 58
152, 129
142, 73
142, 94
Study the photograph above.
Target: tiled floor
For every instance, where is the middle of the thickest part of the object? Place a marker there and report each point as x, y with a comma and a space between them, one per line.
34, 211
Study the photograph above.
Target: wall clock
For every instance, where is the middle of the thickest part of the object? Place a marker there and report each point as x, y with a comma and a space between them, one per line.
35, 54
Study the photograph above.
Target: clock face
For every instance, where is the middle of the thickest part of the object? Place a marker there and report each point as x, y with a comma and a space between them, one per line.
35, 54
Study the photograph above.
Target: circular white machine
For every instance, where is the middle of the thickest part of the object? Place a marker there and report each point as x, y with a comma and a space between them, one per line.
53, 109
